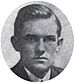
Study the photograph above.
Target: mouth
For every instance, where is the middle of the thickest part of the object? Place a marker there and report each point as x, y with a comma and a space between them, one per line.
38, 58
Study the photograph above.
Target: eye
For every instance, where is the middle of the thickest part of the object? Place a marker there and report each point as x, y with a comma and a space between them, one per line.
49, 38
30, 38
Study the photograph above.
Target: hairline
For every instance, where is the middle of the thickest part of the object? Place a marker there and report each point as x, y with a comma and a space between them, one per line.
56, 19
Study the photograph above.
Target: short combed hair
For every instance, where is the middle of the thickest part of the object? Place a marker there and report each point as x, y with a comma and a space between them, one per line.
33, 12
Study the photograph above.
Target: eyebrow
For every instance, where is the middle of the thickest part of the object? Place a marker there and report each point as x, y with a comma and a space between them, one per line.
51, 36
31, 35
34, 35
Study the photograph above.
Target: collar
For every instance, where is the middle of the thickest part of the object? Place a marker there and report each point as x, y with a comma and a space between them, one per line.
34, 78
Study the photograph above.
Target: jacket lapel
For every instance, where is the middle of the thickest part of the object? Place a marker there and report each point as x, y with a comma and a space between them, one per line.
53, 72
20, 71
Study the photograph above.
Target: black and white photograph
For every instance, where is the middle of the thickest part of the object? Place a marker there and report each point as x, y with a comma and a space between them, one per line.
37, 41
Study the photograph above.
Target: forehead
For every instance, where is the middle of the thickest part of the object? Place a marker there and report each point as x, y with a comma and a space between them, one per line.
40, 27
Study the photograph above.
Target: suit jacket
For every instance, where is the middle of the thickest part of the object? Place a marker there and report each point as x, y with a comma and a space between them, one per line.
20, 71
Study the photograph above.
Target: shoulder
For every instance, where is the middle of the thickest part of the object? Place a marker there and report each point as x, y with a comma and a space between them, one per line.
19, 70
55, 71
58, 69
16, 68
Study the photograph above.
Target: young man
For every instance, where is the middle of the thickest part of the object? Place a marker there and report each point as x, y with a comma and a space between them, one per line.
37, 36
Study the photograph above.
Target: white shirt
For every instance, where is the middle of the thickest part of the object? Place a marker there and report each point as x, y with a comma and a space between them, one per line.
34, 78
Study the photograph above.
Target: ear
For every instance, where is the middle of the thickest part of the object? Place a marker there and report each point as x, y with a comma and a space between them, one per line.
15, 43
59, 43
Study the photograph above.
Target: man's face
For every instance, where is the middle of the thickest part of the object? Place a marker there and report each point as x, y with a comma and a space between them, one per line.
39, 42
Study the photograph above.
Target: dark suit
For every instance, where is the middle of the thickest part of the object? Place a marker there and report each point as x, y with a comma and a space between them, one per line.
20, 71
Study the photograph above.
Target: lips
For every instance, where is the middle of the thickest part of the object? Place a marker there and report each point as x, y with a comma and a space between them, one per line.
40, 58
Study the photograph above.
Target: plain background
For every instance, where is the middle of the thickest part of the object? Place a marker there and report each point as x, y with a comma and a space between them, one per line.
67, 7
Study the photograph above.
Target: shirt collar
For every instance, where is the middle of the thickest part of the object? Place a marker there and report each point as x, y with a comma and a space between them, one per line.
34, 78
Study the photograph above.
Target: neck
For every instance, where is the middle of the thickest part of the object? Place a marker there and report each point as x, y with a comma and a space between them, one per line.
40, 73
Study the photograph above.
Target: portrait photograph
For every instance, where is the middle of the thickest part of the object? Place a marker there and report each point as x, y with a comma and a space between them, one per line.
37, 41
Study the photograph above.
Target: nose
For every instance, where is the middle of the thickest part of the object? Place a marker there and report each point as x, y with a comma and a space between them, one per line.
40, 48
41, 45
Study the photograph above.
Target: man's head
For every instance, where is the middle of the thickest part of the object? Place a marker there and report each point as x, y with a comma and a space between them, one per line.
37, 32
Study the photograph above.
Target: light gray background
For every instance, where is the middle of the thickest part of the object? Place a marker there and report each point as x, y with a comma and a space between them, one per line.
12, 57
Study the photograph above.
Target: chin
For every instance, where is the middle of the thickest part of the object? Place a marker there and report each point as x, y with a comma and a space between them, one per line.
41, 67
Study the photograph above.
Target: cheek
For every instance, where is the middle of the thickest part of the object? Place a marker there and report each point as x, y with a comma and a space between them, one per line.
51, 48
28, 51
